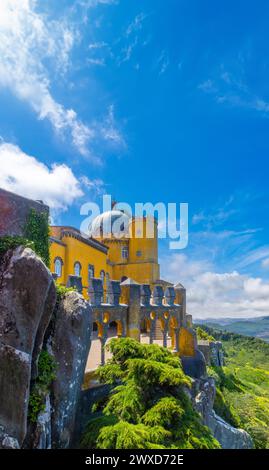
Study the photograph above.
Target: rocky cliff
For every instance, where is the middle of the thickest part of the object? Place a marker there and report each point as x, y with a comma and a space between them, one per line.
203, 395
31, 321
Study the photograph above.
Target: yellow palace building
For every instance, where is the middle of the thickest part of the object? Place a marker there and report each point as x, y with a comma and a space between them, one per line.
127, 253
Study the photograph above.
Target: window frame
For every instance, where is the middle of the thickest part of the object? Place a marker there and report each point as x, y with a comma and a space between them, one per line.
60, 261
90, 267
77, 263
125, 252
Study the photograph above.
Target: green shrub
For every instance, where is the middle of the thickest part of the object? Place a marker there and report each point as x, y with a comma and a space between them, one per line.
202, 334
149, 409
63, 290
41, 386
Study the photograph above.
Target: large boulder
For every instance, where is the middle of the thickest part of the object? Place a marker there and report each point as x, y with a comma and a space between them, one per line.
203, 393
27, 299
70, 342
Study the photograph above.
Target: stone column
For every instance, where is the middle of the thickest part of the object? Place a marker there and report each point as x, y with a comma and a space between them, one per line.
180, 293
103, 340
177, 339
131, 292
165, 331
152, 331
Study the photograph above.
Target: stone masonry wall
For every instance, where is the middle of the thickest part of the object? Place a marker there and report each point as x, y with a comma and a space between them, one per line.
14, 211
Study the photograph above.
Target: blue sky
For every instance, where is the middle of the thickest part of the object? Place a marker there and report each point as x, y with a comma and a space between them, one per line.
148, 101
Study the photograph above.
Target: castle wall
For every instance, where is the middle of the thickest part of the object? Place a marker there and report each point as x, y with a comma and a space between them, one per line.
14, 212
74, 251
133, 307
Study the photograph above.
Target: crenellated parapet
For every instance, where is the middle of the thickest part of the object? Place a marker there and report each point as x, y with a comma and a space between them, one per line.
134, 309
113, 293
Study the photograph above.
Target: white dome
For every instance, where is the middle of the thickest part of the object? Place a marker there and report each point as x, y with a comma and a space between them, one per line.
110, 223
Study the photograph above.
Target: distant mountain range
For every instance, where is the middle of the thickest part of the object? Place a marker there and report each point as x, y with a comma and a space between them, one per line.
258, 327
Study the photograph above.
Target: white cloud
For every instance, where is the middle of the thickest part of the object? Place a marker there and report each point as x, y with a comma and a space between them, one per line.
34, 50
28, 41
214, 294
57, 186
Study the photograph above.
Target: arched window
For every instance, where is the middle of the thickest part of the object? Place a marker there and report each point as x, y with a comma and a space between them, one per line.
102, 276
107, 279
58, 265
90, 271
77, 269
124, 252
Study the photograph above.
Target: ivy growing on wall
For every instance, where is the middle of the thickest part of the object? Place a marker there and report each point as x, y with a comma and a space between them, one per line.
37, 231
41, 387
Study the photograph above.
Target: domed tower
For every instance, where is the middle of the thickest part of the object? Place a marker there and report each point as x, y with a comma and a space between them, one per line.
110, 224
112, 228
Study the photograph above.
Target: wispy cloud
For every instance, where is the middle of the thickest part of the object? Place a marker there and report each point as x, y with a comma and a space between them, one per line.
163, 62
97, 187
99, 62
227, 88
34, 51
109, 130
127, 51
218, 215
97, 45
27, 41
136, 24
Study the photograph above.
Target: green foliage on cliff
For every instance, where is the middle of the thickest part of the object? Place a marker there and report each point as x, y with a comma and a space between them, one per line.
36, 237
61, 291
202, 334
10, 243
37, 231
41, 386
243, 384
148, 408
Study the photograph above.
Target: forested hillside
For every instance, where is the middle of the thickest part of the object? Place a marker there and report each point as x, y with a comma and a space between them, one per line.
243, 384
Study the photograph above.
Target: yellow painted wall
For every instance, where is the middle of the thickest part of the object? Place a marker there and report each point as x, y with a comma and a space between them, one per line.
142, 263
143, 272
77, 251
140, 243
115, 248
143, 268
